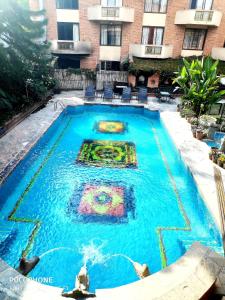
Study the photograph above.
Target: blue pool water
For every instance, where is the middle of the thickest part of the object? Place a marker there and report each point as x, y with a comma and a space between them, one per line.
43, 205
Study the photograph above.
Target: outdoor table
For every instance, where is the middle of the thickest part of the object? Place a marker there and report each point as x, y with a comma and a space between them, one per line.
134, 95
165, 96
119, 88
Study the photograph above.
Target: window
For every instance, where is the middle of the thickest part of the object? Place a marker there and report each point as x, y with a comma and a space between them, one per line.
156, 6
68, 31
201, 4
152, 35
111, 3
111, 35
110, 65
194, 39
64, 62
67, 4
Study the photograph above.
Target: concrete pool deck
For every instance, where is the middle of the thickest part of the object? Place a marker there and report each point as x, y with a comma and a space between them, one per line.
15, 144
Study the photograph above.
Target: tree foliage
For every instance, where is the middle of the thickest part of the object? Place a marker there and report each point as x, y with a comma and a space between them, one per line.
25, 61
200, 83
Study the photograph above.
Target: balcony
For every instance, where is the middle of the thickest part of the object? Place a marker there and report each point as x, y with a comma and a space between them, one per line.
218, 53
71, 47
116, 14
198, 17
151, 51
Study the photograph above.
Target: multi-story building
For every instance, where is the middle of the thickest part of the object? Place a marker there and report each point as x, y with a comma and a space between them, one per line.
104, 33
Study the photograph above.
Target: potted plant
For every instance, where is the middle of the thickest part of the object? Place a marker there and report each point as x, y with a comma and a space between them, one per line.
221, 160
199, 81
213, 152
194, 129
215, 157
199, 134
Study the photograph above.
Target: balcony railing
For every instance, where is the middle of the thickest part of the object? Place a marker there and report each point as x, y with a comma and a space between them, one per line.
108, 12
203, 15
71, 47
198, 17
154, 50
151, 51
112, 14
65, 45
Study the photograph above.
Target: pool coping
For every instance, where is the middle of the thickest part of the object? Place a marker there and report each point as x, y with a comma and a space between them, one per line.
198, 163
199, 271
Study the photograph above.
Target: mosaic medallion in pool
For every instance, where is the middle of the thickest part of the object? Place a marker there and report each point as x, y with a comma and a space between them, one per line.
112, 154
110, 127
102, 201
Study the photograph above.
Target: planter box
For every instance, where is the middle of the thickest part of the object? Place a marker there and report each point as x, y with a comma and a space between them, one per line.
21, 116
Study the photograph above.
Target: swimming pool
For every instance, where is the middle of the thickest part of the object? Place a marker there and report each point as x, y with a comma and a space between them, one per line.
104, 183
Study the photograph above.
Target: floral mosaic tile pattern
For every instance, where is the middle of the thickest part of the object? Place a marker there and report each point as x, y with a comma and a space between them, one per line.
110, 127
102, 201
112, 154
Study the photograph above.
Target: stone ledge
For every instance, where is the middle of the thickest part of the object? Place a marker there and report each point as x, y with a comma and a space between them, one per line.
195, 155
15, 286
189, 278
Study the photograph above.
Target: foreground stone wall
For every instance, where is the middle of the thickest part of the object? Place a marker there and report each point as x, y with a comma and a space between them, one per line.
199, 273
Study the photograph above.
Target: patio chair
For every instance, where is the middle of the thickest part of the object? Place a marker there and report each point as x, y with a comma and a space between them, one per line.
157, 94
89, 92
108, 93
172, 94
216, 140
126, 95
143, 95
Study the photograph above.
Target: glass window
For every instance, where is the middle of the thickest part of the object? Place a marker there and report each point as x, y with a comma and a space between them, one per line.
152, 35
111, 35
156, 6
68, 31
110, 65
111, 3
67, 4
65, 63
194, 39
201, 4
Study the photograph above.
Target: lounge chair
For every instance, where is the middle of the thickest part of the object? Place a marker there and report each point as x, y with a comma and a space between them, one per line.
126, 95
216, 140
108, 93
157, 94
89, 92
143, 95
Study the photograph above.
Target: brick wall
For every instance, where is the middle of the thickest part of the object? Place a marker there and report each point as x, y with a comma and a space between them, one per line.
50, 8
131, 32
216, 36
174, 34
34, 5
89, 31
